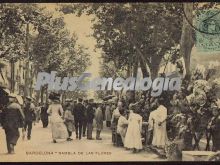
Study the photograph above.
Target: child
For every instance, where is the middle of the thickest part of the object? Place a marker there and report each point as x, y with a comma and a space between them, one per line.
69, 121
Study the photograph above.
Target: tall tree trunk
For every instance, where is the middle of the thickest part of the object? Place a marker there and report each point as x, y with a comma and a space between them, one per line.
145, 74
135, 71
12, 76
186, 42
154, 72
42, 94
47, 94
155, 65
144, 69
135, 67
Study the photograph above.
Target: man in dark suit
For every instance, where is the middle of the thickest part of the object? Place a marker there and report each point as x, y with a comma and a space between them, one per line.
79, 112
29, 116
85, 118
44, 115
90, 117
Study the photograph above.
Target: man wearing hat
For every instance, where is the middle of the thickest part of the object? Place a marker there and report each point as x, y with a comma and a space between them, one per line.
29, 116
85, 117
215, 128
13, 118
79, 112
90, 117
108, 115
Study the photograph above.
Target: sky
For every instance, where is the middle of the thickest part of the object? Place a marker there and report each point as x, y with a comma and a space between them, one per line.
82, 26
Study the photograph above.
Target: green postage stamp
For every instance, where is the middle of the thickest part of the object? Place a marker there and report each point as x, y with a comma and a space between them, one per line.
208, 30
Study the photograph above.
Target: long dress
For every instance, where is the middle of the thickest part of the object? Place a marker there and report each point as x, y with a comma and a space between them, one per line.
122, 127
133, 135
59, 130
150, 133
159, 132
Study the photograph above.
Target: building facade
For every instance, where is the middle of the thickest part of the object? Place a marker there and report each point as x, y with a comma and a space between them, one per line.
13, 77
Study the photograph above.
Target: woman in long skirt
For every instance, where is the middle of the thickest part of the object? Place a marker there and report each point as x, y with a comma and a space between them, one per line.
133, 135
59, 130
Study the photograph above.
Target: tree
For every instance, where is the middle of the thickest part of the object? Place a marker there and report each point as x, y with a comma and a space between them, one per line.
187, 42
12, 41
133, 34
55, 49
52, 47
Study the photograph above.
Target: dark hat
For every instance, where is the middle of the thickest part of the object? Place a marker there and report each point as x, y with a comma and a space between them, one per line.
54, 96
80, 99
91, 100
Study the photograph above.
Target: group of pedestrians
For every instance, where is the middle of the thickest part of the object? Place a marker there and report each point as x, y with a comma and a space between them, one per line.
78, 116
74, 117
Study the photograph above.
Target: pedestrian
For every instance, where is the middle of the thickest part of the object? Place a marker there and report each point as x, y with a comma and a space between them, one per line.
108, 115
55, 110
114, 121
214, 128
133, 135
116, 113
159, 130
99, 121
79, 112
44, 115
69, 121
13, 119
85, 118
37, 112
122, 125
29, 116
90, 117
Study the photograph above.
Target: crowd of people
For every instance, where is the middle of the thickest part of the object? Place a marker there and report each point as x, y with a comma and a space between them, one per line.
172, 122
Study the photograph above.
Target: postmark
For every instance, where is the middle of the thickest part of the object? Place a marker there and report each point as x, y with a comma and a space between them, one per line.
208, 33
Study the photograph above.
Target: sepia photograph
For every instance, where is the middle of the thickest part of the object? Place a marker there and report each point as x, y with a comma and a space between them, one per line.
110, 82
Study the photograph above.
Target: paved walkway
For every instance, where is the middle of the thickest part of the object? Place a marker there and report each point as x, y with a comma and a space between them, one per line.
41, 148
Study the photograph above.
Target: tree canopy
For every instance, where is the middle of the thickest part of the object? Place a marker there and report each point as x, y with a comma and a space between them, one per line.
134, 33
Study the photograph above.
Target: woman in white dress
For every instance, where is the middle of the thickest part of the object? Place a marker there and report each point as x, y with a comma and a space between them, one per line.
159, 127
122, 125
59, 130
133, 135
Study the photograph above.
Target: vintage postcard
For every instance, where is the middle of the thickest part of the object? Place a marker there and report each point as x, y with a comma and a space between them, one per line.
109, 82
